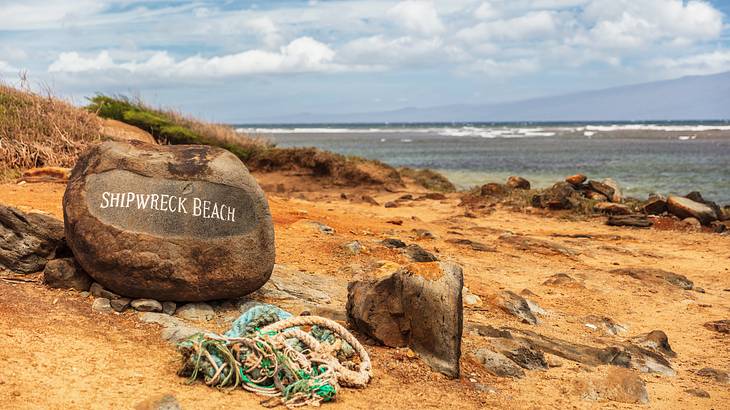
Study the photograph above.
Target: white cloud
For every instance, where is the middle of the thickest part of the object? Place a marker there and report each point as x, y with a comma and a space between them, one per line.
391, 51
505, 68
301, 55
5, 67
417, 16
540, 24
698, 64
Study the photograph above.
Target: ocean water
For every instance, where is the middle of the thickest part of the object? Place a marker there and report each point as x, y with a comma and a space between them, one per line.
667, 157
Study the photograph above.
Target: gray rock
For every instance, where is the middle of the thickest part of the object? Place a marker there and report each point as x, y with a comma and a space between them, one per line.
393, 243
174, 330
98, 291
173, 222
416, 307
682, 208
65, 273
325, 229
353, 248
656, 341
101, 305
516, 305
498, 364
418, 254
520, 352
28, 240
605, 324
289, 283
169, 308
692, 223
146, 305
196, 312
121, 304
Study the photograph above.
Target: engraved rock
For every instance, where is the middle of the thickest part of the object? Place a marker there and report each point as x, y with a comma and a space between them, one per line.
182, 223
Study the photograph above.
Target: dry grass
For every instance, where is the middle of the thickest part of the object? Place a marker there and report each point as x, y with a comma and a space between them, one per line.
40, 130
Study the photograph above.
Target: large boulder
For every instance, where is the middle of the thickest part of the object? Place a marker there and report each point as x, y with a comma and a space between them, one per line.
182, 223
682, 208
28, 240
418, 306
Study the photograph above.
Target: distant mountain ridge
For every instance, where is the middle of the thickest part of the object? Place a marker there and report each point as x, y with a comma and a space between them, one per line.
705, 97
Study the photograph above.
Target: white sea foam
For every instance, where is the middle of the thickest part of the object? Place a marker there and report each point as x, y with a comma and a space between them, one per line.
657, 127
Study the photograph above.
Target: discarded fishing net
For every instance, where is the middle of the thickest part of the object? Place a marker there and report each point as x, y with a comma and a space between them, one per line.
267, 352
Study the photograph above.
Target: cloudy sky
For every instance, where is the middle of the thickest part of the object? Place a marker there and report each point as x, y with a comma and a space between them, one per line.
239, 60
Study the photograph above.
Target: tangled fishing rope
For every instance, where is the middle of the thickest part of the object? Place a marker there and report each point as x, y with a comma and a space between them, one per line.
267, 353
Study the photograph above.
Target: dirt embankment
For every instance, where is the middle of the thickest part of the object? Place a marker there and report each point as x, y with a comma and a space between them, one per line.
58, 353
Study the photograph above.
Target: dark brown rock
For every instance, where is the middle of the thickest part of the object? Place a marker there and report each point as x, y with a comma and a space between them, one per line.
393, 243
612, 208
418, 306
719, 376
720, 326
390, 204
369, 200
477, 246
493, 189
576, 179
655, 205
65, 273
436, 196
636, 221
682, 208
183, 223
560, 196
120, 304
698, 393
98, 291
28, 240
418, 254
601, 188
656, 340
516, 182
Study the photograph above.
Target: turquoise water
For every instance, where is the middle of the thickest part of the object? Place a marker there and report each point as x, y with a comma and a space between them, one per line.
643, 157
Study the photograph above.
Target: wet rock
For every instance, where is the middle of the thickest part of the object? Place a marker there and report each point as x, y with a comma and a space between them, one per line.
516, 182
493, 189
196, 312
576, 179
101, 305
636, 221
682, 208
390, 204
160, 402
516, 305
617, 196
601, 188
120, 304
369, 200
621, 385
65, 273
656, 341
698, 393
174, 222
612, 208
419, 306
714, 374
477, 246
98, 291
720, 326
393, 243
498, 364
28, 240
353, 248
655, 205
146, 305
169, 308
560, 196
418, 254
174, 330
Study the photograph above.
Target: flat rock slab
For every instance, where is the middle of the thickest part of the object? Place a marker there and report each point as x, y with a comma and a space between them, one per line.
28, 239
682, 208
179, 223
418, 306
